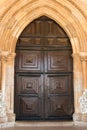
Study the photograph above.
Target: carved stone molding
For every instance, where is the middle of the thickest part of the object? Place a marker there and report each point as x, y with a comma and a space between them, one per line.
11, 56
83, 56
75, 55
3, 56
10, 59
6, 56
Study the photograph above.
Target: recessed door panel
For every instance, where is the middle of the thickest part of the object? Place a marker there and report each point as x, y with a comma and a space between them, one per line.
58, 100
29, 95
29, 84
29, 61
58, 84
30, 107
58, 61
59, 106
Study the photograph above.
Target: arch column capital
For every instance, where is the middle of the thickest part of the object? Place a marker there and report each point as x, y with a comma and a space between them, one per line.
83, 56
5, 56
11, 56
74, 55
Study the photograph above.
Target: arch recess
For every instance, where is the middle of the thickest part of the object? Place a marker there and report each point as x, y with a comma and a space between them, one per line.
15, 15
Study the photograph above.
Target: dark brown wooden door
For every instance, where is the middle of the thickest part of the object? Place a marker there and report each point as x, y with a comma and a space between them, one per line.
43, 77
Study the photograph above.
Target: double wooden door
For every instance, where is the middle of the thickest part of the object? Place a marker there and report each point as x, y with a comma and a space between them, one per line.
43, 81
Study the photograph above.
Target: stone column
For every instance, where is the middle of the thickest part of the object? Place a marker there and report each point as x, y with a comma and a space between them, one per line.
3, 71
83, 56
78, 85
10, 87
0, 72
3, 60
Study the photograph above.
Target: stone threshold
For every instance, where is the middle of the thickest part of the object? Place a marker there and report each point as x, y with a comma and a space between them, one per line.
43, 123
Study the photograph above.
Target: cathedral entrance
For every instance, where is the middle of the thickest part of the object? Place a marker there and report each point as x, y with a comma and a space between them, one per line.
43, 73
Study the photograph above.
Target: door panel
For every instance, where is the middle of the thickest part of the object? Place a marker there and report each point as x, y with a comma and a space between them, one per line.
59, 84
43, 26
29, 95
57, 42
44, 72
42, 41
29, 61
29, 84
58, 101
58, 61
30, 107
59, 106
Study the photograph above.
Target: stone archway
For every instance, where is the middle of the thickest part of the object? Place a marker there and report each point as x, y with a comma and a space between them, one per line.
15, 19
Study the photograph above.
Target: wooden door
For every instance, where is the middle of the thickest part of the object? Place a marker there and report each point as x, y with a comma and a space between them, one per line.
43, 77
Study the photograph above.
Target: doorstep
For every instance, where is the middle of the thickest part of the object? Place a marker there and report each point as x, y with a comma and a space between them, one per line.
43, 123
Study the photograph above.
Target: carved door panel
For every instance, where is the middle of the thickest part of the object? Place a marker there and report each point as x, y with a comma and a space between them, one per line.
58, 84
29, 96
29, 85
58, 61
30, 61
58, 96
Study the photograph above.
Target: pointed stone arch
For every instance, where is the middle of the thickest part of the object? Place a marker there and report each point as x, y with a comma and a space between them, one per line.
17, 15
22, 13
